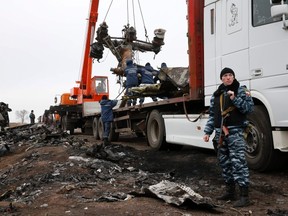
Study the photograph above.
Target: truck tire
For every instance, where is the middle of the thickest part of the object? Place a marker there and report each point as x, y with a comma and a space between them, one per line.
100, 129
95, 128
65, 125
156, 131
113, 136
260, 152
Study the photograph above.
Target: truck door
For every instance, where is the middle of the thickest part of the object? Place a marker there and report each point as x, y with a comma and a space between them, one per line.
268, 42
268, 61
226, 42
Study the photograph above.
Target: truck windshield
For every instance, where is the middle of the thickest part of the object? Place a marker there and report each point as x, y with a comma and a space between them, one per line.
261, 13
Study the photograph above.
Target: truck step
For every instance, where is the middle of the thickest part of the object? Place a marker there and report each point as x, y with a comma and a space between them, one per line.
121, 118
121, 130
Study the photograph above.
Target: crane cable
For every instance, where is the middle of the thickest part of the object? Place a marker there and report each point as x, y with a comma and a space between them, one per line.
127, 11
108, 11
133, 8
142, 17
145, 30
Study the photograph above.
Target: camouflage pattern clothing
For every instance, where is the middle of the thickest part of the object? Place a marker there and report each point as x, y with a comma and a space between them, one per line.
231, 154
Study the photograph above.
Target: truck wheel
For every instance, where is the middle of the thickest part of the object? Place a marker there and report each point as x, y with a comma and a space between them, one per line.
156, 130
95, 128
113, 136
260, 153
64, 123
71, 131
100, 129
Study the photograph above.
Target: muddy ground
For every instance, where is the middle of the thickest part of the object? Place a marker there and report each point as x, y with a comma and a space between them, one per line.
47, 173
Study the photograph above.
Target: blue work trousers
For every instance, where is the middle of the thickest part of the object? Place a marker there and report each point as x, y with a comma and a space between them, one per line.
106, 128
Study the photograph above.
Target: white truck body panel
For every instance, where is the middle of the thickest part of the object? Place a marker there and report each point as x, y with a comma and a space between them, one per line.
93, 108
280, 137
179, 130
237, 35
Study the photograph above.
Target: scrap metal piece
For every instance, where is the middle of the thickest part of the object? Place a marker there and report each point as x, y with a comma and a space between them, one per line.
177, 194
173, 83
113, 197
147, 89
179, 76
4, 149
118, 45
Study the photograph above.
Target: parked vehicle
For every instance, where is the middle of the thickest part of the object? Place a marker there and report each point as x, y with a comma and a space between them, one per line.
248, 36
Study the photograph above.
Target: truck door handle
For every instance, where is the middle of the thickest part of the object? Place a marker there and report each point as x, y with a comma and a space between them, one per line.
257, 72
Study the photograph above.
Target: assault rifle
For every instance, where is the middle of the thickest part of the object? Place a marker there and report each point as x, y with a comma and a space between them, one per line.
224, 130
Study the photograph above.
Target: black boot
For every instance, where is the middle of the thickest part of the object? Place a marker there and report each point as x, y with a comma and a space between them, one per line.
106, 142
244, 198
229, 193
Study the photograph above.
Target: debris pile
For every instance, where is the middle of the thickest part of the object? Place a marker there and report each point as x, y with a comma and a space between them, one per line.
39, 167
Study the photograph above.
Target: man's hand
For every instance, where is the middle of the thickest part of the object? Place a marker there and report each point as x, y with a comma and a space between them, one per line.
206, 138
231, 94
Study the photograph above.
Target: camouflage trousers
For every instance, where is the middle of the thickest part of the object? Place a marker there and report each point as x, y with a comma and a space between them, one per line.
232, 158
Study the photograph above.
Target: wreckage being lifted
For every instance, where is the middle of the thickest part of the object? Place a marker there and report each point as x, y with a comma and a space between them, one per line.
222, 31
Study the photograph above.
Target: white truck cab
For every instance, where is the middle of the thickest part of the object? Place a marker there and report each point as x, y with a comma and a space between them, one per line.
251, 37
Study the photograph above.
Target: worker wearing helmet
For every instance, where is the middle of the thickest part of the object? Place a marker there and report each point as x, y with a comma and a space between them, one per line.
229, 106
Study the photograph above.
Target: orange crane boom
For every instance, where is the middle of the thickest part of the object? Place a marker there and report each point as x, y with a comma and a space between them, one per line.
84, 91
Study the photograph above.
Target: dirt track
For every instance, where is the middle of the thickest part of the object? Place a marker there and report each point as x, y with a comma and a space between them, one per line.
51, 176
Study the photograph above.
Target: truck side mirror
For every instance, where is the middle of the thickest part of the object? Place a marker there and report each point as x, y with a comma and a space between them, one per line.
280, 10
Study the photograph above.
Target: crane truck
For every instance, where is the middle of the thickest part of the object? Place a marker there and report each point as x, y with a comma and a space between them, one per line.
248, 36
75, 107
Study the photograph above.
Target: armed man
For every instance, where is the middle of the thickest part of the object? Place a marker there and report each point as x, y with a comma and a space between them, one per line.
229, 106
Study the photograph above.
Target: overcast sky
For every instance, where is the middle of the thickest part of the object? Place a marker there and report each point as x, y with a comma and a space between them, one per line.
41, 45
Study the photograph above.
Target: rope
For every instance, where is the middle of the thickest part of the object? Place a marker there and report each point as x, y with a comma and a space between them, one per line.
185, 110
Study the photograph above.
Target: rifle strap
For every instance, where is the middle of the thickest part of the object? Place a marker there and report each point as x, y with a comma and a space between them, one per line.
225, 113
